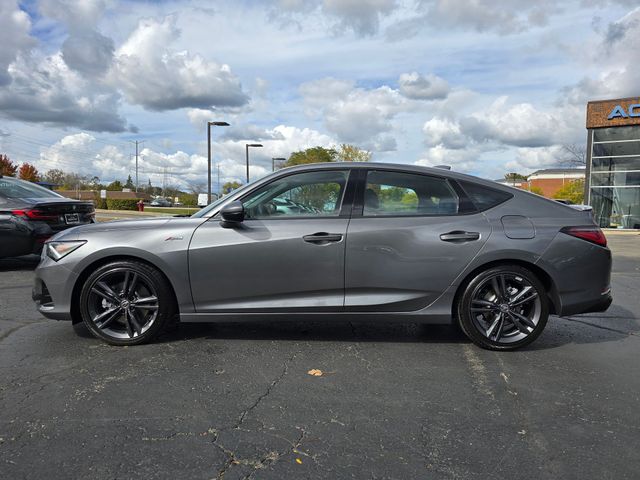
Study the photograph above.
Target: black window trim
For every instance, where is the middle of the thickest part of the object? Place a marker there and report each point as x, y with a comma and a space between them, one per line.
345, 202
358, 204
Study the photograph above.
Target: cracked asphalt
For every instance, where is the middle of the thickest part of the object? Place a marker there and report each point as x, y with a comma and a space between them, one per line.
395, 400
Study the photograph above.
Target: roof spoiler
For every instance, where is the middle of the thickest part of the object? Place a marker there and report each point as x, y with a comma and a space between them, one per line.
443, 167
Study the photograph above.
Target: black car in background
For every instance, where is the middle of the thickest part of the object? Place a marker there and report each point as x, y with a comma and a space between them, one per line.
30, 214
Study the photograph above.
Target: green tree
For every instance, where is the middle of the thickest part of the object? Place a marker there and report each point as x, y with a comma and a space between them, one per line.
312, 155
537, 191
572, 191
230, 187
7, 167
130, 185
28, 172
351, 153
115, 186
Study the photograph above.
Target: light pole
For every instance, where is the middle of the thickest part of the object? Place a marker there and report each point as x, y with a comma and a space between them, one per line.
216, 124
274, 160
247, 155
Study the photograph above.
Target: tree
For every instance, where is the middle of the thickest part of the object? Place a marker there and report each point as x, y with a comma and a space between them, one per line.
574, 155
572, 191
55, 176
513, 178
130, 185
115, 186
351, 153
28, 172
7, 167
230, 187
312, 155
537, 191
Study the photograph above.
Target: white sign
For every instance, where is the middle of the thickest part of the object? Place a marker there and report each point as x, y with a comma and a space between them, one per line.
103, 194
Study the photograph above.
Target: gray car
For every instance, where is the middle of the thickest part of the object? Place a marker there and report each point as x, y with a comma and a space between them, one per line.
366, 240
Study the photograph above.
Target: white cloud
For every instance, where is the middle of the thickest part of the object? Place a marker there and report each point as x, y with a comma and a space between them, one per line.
423, 87
45, 90
154, 76
14, 36
444, 132
529, 159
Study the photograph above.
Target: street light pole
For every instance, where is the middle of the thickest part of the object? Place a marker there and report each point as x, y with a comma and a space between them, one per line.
209, 124
274, 160
247, 155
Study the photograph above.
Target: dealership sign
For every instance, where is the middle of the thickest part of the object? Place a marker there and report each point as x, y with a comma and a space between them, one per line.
619, 111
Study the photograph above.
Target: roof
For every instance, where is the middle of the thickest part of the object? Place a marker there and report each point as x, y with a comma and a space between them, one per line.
548, 171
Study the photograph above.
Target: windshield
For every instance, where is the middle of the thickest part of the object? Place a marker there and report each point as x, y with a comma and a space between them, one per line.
14, 188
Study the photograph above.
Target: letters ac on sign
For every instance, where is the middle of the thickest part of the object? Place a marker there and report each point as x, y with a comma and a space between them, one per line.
619, 112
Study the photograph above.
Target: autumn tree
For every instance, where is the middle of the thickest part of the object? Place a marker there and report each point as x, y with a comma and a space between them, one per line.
351, 153
55, 176
572, 191
28, 172
7, 167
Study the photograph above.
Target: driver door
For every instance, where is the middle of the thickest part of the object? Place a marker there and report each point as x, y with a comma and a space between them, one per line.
287, 255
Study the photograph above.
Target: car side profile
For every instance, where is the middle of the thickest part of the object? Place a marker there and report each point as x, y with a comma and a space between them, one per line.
368, 240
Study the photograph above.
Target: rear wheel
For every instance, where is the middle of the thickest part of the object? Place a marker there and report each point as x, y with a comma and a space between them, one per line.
503, 308
126, 303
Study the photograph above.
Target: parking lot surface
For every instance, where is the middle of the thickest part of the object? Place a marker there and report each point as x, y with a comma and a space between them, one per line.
390, 401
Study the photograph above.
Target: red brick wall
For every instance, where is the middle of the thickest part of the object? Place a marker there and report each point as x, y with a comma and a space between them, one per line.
549, 186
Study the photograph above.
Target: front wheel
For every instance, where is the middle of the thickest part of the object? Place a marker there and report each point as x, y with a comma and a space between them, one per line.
503, 308
126, 303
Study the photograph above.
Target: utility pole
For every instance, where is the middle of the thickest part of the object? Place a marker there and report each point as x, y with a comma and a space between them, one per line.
219, 193
137, 155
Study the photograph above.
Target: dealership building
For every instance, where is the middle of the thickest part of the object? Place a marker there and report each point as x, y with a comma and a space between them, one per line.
612, 185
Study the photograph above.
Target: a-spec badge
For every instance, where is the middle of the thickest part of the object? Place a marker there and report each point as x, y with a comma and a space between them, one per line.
173, 238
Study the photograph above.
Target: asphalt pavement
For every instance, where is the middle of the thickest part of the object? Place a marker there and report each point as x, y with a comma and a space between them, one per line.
388, 400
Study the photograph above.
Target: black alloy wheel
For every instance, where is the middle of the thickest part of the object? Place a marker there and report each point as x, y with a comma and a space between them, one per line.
503, 308
126, 303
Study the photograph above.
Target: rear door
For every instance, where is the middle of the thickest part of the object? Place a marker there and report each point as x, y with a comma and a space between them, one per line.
410, 236
287, 255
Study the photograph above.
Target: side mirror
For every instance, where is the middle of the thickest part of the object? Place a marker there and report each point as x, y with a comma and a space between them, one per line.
232, 214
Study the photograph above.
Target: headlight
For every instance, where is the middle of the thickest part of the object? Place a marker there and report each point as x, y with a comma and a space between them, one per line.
58, 250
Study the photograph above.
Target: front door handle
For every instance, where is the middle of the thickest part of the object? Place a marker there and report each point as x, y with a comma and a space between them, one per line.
322, 238
459, 236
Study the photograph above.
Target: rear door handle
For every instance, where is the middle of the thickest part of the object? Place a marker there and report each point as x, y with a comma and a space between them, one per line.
322, 238
459, 236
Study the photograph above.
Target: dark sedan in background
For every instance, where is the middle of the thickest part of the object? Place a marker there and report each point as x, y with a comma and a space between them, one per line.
349, 240
30, 214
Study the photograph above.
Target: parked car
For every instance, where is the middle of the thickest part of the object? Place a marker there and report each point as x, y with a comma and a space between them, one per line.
160, 202
378, 241
30, 214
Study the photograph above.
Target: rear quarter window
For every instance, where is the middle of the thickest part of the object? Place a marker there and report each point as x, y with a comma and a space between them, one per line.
483, 197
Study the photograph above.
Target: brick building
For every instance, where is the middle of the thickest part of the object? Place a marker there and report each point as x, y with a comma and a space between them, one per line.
550, 180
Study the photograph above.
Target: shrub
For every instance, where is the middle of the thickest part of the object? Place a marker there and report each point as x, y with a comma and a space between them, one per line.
122, 204
100, 203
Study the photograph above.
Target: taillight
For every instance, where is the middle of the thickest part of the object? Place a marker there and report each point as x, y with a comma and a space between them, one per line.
590, 233
34, 214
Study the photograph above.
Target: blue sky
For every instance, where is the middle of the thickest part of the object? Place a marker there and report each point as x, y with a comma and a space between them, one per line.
485, 86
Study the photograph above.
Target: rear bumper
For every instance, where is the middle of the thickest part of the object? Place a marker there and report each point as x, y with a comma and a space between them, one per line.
581, 274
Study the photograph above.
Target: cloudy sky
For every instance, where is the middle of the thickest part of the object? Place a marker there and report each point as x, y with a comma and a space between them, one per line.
487, 86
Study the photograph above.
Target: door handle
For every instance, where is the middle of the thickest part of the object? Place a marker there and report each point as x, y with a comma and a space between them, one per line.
459, 236
322, 238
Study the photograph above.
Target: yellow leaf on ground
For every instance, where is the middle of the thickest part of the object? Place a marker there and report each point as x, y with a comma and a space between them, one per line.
298, 461
315, 372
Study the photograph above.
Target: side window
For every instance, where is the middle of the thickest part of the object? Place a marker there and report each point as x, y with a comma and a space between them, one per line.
397, 193
310, 194
484, 197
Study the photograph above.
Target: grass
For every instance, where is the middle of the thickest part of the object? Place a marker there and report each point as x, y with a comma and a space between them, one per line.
172, 210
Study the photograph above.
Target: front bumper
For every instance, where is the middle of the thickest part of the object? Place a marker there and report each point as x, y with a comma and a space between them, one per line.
53, 289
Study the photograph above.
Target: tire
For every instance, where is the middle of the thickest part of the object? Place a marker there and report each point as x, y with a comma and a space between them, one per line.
503, 308
127, 302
